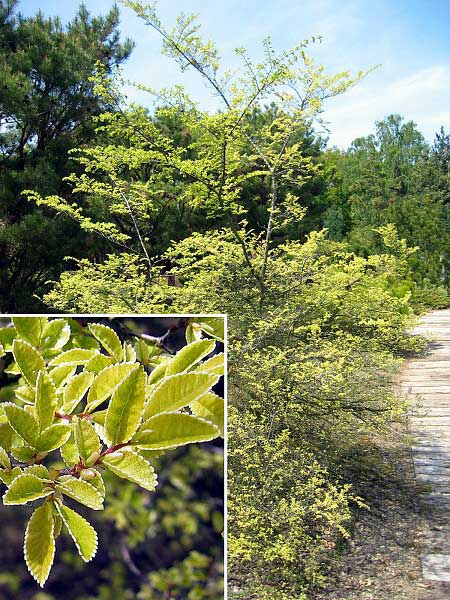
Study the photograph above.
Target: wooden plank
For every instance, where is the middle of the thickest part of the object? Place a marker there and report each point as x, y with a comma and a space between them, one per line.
430, 421
426, 382
442, 469
436, 567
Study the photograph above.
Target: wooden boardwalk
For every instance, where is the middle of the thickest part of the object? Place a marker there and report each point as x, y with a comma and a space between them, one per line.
427, 382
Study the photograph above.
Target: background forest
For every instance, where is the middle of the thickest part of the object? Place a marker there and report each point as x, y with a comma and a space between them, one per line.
320, 256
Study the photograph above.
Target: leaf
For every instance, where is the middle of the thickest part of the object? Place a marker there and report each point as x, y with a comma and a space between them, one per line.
26, 394
29, 361
108, 339
99, 417
210, 407
125, 408
7, 335
96, 480
39, 545
98, 363
177, 391
129, 465
8, 475
2, 350
76, 356
82, 532
45, 400
105, 383
23, 423
55, 335
129, 353
6, 436
170, 430
215, 364
53, 437
81, 491
39, 470
57, 525
213, 326
86, 439
189, 356
5, 461
157, 374
23, 453
69, 451
26, 488
193, 333
75, 390
30, 328
60, 375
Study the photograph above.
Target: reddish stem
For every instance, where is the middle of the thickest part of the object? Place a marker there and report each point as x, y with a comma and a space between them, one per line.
109, 450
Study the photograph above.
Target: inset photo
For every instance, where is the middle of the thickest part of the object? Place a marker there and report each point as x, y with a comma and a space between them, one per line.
112, 457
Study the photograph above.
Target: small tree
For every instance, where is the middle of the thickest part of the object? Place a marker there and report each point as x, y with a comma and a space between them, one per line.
129, 178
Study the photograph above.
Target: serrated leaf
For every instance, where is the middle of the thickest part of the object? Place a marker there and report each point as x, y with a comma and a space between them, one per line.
28, 360
26, 488
210, 407
215, 365
53, 437
60, 375
5, 461
76, 356
82, 532
125, 408
170, 430
39, 545
96, 480
23, 423
30, 328
23, 453
177, 391
8, 475
190, 355
55, 335
86, 439
106, 382
98, 363
75, 390
129, 465
45, 400
69, 451
108, 338
81, 491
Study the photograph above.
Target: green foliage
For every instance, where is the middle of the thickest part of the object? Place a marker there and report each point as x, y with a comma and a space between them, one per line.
394, 177
60, 412
47, 101
198, 211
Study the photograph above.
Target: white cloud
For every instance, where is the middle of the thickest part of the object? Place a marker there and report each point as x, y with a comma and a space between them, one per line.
422, 97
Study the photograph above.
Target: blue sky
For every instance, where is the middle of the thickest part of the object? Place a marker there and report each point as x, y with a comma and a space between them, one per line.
409, 38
